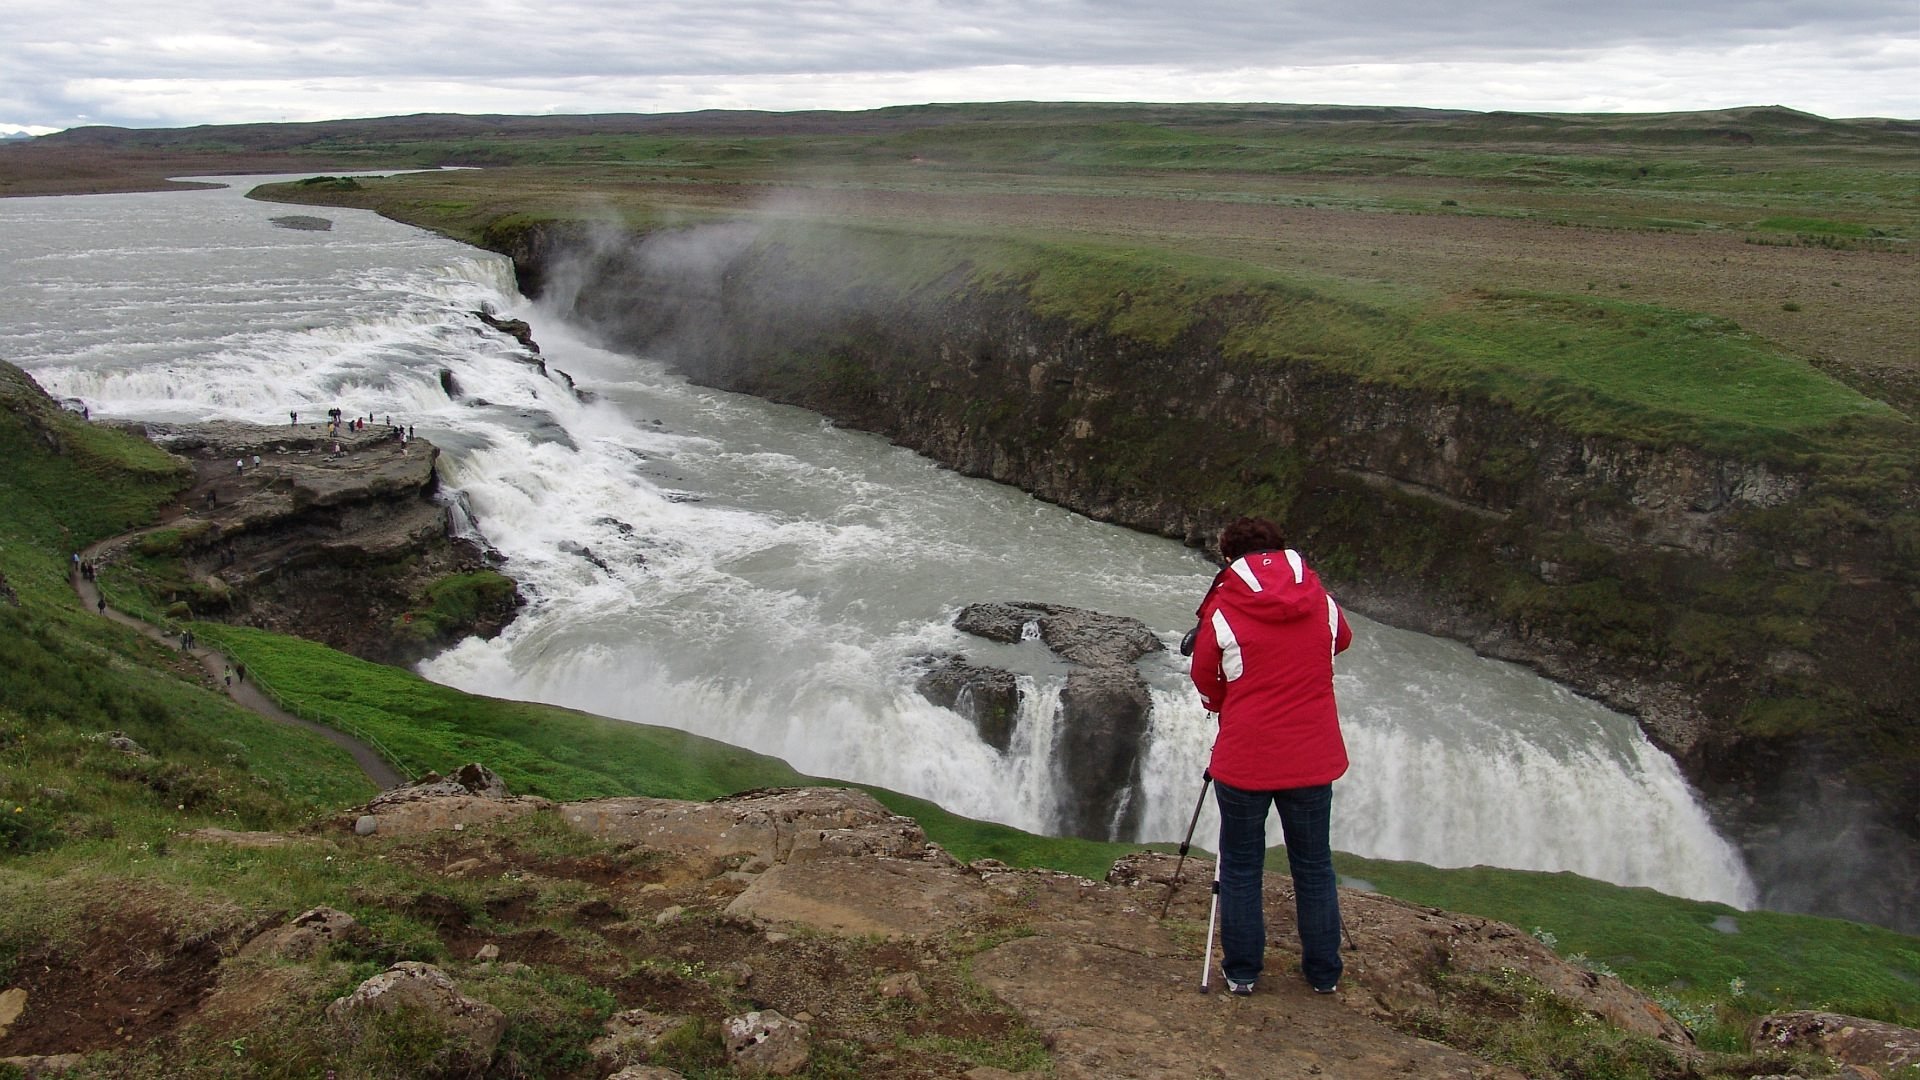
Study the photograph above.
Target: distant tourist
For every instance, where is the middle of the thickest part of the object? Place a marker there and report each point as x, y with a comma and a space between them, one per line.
239, 465
293, 418
256, 461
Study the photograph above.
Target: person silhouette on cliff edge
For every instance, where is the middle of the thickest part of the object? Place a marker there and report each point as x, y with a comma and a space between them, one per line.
1263, 661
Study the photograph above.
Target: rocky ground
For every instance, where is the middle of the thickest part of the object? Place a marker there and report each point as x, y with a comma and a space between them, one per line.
795, 931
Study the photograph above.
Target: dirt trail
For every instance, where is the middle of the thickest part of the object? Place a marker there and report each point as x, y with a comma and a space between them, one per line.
219, 668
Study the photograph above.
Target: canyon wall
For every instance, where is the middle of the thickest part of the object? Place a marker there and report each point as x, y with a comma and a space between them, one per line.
1758, 616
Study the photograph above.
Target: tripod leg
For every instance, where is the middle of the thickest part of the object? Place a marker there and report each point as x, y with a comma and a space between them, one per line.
1213, 916
1206, 781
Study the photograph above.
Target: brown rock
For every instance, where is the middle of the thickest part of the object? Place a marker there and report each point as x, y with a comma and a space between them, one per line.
888, 897
13, 1002
756, 829
1848, 1039
47, 1066
631, 1037
310, 933
468, 1030
766, 1042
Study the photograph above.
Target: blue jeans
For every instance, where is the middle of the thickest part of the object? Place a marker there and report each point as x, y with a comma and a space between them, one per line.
1306, 815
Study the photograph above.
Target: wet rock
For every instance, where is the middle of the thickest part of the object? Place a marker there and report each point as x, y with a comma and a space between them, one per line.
425, 1000
1104, 714
1848, 1039
989, 697
1076, 634
517, 329
1104, 710
585, 552
302, 223
450, 385
766, 1042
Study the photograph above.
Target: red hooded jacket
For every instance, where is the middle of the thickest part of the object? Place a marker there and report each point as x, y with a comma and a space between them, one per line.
1263, 660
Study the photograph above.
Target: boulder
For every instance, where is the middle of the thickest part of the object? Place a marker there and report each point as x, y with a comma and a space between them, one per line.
13, 1002
471, 795
517, 329
1076, 634
423, 999
1104, 709
986, 696
1103, 719
37, 1066
310, 934
1848, 1039
767, 1042
119, 740
631, 1037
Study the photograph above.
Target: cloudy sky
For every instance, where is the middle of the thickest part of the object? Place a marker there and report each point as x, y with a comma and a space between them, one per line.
169, 63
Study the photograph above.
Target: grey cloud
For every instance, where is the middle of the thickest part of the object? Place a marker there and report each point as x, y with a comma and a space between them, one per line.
57, 62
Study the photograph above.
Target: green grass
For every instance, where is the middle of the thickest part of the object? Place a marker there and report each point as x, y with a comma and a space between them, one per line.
1669, 946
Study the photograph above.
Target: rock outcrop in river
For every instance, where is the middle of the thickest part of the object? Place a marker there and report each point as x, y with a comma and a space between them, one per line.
1104, 710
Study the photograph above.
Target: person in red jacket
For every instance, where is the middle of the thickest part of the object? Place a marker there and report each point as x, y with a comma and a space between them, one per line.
1263, 660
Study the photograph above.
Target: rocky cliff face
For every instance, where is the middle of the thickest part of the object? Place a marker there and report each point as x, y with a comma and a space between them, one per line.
337, 539
1758, 616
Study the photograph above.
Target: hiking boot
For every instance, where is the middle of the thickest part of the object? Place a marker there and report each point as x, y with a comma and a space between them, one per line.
1326, 989
1240, 988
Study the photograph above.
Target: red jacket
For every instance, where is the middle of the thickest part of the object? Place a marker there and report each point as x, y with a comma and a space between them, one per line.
1263, 660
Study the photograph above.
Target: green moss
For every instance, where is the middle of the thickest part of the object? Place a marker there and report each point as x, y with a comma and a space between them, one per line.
453, 604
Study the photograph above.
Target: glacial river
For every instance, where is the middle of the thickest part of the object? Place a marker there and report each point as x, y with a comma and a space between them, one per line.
769, 579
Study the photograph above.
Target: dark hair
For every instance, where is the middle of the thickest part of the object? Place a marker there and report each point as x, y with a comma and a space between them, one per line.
1249, 535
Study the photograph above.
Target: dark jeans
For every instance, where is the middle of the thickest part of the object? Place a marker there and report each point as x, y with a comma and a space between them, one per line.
1306, 814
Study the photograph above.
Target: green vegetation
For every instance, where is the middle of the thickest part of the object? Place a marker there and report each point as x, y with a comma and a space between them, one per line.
452, 604
1716, 967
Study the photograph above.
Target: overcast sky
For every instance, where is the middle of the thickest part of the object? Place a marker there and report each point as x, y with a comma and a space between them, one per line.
169, 63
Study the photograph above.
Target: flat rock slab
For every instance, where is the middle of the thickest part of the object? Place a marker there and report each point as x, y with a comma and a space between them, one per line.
893, 898
756, 830
446, 812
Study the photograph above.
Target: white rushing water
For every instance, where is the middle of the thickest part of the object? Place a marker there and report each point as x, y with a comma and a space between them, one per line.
761, 577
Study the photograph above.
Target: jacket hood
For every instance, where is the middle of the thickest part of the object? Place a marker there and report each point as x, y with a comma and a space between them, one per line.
1273, 587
